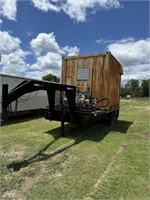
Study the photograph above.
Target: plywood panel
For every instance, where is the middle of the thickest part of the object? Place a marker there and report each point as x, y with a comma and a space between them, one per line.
102, 75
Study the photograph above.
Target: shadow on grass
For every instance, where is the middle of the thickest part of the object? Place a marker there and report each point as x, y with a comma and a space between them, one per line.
76, 133
19, 119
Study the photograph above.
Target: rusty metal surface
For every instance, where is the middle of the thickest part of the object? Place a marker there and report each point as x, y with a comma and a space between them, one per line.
98, 75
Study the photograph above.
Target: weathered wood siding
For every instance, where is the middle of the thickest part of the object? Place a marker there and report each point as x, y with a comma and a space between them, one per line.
97, 74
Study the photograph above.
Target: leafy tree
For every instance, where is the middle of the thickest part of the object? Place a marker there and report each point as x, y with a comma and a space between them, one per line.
145, 88
133, 87
51, 77
122, 91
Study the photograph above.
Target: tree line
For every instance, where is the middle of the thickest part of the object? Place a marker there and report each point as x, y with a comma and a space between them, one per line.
135, 88
51, 77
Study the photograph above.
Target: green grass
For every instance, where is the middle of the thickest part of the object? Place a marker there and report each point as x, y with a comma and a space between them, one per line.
89, 162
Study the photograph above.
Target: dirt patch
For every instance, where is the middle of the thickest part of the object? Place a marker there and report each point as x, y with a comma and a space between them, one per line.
41, 172
11, 195
15, 152
147, 107
140, 107
56, 174
140, 135
20, 193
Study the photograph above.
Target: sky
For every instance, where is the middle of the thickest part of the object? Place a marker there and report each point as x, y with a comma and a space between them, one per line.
36, 34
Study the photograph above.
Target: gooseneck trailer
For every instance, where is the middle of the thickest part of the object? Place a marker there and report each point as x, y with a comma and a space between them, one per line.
89, 89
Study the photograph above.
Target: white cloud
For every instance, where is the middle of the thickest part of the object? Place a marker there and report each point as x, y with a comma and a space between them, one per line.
139, 72
8, 43
13, 57
104, 41
131, 52
45, 43
49, 63
36, 74
14, 63
134, 55
8, 9
71, 51
49, 54
46, 5
76, 9
29, 33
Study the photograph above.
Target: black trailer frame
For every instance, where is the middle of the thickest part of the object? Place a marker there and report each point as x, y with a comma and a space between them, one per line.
64, 112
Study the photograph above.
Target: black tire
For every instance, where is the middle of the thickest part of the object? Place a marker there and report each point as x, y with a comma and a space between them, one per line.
112, 117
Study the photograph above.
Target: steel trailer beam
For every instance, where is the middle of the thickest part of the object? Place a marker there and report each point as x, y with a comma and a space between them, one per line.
28, 86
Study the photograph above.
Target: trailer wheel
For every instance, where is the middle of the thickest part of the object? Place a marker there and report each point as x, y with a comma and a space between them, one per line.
112, 118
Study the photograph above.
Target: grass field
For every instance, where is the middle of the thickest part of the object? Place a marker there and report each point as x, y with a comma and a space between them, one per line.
90, 162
